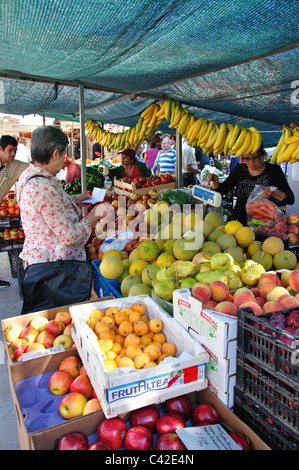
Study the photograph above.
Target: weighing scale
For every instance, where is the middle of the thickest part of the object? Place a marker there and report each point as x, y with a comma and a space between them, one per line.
207, 196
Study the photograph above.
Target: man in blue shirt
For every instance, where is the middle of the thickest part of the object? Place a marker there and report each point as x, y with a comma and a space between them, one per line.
166, 158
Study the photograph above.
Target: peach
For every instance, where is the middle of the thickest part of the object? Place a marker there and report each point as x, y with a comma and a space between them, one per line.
281, 227
201, 292
260, 300
257, 310
293, 218
294, 280
280, 217
268, 276
293, 238
277, 292
245, 296
230, 298
92, 405
293, 229
240, 290
288, 301
266, 288
271, 306
256, 291
209, 304
219, 291
285, 275
226, 307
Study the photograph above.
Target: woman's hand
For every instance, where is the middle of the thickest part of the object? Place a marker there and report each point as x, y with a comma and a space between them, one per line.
266, 194
82, 197
213, 180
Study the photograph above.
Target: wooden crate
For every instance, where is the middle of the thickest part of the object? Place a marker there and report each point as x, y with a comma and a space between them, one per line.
129, 189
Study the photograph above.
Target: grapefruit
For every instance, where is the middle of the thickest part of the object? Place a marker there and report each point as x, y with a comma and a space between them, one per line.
214, 218
115, 253
244, 236
111, 267
139, 289
184, 249
128, 282
272, 245
137, 267
148, 250
285, 259
232, 226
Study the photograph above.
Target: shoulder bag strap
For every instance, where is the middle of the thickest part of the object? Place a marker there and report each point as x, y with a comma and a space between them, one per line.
27, 181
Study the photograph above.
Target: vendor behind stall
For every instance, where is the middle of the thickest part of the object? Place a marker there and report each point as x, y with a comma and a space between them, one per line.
130, 167
254, 170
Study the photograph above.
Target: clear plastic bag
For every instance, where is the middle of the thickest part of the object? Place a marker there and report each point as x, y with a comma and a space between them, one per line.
259, 208
117, 241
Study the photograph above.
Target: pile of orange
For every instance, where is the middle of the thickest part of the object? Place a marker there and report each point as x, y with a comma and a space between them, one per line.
127, 337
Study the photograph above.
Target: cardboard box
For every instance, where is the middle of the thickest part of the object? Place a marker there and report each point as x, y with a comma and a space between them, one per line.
215, 330
125, 389
220, 371
24, 321
225, 396
48, 439
36, 408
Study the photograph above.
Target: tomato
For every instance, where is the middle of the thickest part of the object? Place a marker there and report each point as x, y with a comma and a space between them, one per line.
11, 211
3, 205
17, 211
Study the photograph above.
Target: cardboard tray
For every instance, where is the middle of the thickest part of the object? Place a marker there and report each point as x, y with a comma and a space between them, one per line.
125, 389
48, 439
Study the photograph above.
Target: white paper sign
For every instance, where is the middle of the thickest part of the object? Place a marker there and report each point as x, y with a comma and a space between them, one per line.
98, 195
213, 437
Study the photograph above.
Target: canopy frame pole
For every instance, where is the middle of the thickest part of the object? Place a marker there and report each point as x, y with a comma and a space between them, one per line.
82, 138
179, 156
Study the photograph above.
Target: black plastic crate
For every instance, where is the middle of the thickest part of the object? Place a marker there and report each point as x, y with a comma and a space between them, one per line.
10, 244
262, 344
16, 264
12, 221
276, 434
279, 397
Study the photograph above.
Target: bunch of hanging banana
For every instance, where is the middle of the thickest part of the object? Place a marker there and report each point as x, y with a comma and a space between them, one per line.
287, 149
244, 140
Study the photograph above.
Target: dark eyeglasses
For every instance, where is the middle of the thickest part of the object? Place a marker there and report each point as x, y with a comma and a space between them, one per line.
246, 159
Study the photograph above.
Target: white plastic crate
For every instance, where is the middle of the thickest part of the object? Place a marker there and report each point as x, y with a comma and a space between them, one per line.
126, 389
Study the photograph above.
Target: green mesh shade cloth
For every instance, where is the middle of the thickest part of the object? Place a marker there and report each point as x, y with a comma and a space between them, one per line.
233, 61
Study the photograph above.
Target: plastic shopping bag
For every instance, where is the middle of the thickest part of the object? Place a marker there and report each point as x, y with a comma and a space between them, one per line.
259, 208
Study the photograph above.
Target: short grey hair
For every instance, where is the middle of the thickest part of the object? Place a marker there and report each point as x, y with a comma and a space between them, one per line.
45, 140
167, 139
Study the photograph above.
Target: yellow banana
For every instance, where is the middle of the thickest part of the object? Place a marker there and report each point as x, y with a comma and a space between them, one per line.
176, 117
287, 154
161, 111
207, 134
278, 148
239, 141
293, 139
222, 134
252, 143
184, 123
234, 136
227, 140
153, 120
202, 131
245, 145
174, 104
212, 138
139, 125
168, 109
287, 133
194, 129
190, 123
132, 135
148, 111
257, 139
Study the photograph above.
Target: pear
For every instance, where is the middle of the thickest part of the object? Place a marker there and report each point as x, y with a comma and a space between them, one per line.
186, 269
187, 283
252, 273
233, 279
164, 289
165, 274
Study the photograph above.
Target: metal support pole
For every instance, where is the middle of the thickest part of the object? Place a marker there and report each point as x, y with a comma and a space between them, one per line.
82, 138
179, 158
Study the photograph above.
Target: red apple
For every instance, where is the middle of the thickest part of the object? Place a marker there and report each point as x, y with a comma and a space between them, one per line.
56, 327
35, 347
146, 416
72, 405
241, 440
68, 330
205, 413
13, 332
113, 430
17, 347
72, 365
99, 445
83, 370
82, 385
138, 438
91, 406
39, 323
181, 405
65, 341
60, 382
30, 334
73, 441
46, 339
170, 441
170, 422
65, 317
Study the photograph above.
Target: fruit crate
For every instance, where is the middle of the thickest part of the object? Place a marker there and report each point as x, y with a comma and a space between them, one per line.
16, 264
12, 221
265, 345
264, 423
279, 397
11, 244
129, 189
102, 286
